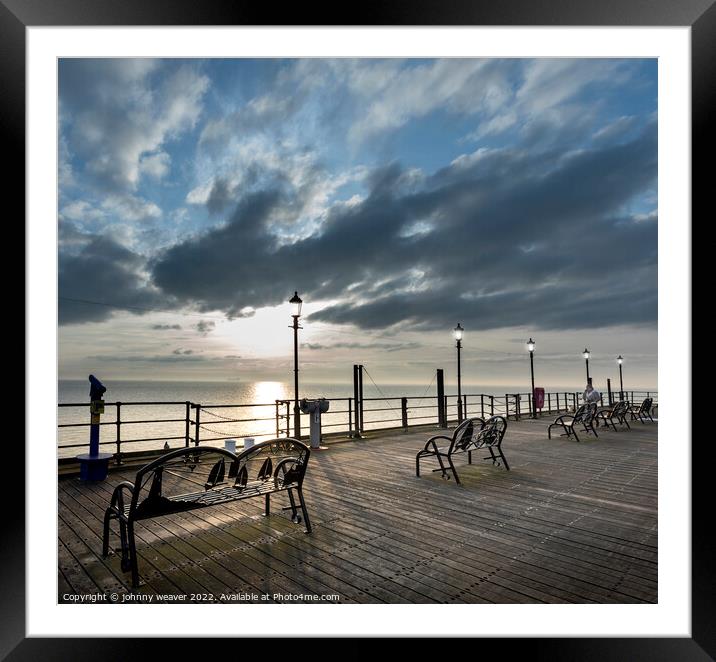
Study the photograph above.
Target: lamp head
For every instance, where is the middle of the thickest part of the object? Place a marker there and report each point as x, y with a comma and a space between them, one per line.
296, 302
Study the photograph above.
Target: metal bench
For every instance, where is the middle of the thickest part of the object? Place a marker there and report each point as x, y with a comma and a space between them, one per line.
643, 411
473, 434
616, 413
169, 485
568, 422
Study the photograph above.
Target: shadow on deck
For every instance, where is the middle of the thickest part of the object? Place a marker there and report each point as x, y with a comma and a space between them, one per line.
569, 523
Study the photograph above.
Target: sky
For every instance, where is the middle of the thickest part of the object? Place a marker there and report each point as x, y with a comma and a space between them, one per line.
399, 197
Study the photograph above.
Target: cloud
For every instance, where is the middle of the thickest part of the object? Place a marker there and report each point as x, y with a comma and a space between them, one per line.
118, 114
97, 276
205, 327
385, 347
150, 358
183, 352
508, 237
155, 165
166, 327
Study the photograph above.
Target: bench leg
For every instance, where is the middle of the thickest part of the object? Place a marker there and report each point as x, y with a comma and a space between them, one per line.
124, 546
304, 511
417, 466
133, 554
267, 507
469, 457
454, 471
105, 533
504, 459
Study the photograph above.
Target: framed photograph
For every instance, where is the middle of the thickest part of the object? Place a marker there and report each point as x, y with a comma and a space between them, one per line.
225, 215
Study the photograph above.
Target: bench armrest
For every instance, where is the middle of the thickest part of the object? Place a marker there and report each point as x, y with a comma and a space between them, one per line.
118, 495
432, 441
560, 419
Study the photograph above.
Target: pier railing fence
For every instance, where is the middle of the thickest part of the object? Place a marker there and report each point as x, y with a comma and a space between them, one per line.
131, 428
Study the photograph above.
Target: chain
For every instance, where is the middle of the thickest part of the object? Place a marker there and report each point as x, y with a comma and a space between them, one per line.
378, 389
211, 413
427, 389
221, 432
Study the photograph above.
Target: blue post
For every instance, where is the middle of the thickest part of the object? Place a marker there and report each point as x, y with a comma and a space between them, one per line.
94, 465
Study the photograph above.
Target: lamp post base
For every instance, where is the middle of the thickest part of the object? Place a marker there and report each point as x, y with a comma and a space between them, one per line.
94, 467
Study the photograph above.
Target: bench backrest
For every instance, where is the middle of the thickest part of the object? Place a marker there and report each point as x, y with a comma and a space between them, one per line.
583, 412
475, 433
192, 470
493, 431
465, 434
620, 409
646, 406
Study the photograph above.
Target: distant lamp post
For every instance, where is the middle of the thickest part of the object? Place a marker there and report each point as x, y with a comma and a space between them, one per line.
585, 354
531, 350
458, 343
296, 302
620, 360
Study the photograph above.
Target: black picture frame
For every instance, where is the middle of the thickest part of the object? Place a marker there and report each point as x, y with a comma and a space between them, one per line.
700, 15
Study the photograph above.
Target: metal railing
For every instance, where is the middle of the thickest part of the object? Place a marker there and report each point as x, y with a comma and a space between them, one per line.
207, 424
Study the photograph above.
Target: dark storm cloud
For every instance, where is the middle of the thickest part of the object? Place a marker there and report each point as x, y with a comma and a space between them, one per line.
205, 327
156, 358
97, 276
390, 347
219, 197
501, 237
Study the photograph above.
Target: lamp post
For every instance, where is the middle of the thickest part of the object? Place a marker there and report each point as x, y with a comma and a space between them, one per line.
620, 360
458, 343
585, 354
531, 349
296, 302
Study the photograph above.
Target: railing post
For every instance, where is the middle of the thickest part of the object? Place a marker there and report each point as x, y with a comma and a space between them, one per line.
440, 398
118, 458
278, 428
288, 418
350, 417
187, 423
360, 388
518, 406
492, 405
482, 405
549, 402
198, 424
356, 396
404, 411
507, 408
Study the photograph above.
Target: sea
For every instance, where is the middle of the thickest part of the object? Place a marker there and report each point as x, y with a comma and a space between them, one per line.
152, 414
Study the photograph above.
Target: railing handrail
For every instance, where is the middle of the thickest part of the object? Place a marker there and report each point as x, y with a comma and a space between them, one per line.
483, 404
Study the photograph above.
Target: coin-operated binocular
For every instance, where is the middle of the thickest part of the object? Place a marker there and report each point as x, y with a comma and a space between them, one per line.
315, 408
94, 465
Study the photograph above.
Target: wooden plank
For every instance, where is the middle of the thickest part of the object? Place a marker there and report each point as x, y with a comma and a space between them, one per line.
572, 522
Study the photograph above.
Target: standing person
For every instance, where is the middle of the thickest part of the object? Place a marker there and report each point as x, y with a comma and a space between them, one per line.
591, 394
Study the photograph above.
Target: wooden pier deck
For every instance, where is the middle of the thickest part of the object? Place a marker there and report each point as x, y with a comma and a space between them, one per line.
569, 523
